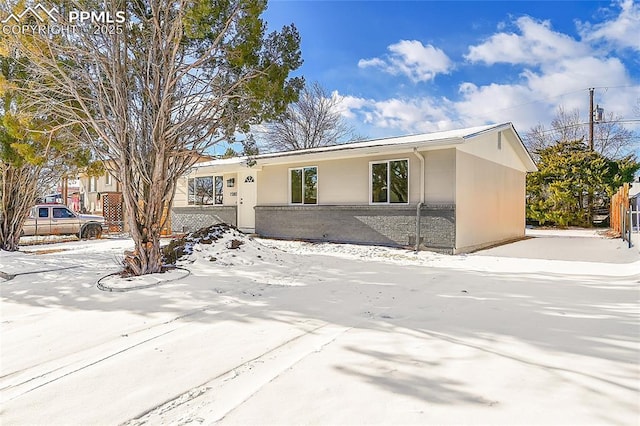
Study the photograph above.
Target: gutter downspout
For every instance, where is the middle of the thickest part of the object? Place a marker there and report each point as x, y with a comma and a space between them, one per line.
421, 203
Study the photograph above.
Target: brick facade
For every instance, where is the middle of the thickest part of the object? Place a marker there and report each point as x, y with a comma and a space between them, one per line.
385, 225
187, 219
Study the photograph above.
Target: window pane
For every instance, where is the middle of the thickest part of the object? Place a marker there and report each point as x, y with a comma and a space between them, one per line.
43, 212
191, 199
296, 186
219, 189
61, 213
379, 183
310, 185
204, 190
399, 181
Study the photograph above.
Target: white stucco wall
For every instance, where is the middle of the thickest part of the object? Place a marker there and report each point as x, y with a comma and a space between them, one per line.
180, 199
346, 181
490, 202
440, 174
497, 149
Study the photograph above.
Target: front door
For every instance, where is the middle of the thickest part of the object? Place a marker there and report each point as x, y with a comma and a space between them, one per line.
247, 199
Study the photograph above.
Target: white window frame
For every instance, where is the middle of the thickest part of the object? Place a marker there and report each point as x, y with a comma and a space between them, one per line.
107, 179
317, 186
370, 195
215, 195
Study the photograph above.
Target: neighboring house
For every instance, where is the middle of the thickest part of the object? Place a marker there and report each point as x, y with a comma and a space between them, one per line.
634, 193
102, 195
73, 195
469, 184
92, 189
634, 203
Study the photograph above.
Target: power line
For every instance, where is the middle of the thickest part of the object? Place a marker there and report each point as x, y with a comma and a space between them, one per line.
616, 87
570, 126
535, 101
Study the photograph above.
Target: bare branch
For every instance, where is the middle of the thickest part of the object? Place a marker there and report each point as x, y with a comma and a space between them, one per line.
313, 121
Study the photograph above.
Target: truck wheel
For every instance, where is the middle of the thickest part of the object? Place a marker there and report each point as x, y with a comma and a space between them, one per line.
92, 231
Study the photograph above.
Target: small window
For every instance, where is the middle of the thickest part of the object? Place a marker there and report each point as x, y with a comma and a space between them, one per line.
107, 179
303, 185
249, 179
43, 212
389, 182
62, 213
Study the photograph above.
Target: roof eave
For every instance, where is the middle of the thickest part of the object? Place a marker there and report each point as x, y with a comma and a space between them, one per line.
350, 152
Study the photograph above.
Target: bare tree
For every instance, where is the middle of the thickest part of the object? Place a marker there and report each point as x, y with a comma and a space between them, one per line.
183, 75
313, 121
610, 137
21, 179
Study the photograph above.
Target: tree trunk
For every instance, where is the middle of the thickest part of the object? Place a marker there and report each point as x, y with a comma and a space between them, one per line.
144, 218
145, 208
17, 195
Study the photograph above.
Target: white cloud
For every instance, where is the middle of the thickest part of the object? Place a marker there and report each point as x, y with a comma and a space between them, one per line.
412, 59
554, 69
536, 44
416, 115
348, 104
575, 74
497, 103
419, 115
623, 30
374, 62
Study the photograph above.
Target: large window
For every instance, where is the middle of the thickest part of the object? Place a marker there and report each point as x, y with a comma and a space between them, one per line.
206, 190
390, 182
303, 185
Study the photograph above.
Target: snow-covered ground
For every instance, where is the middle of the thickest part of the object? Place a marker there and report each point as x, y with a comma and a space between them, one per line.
542, 331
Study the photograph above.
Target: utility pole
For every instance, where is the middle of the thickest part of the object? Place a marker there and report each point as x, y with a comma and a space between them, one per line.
65, 189
589, 190
591, 118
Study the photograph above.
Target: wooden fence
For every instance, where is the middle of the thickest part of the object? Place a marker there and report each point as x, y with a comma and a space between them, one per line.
619, 207
621, 214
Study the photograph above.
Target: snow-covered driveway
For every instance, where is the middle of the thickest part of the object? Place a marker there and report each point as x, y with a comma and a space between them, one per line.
296, 333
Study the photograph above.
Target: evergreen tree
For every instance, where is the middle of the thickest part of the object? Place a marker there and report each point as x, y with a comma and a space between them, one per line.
567, 173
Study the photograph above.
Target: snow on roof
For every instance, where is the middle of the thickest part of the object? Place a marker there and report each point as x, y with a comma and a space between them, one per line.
221, 162
398, 140
455, 136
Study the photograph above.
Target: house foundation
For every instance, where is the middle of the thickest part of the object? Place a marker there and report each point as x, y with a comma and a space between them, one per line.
192, 218
382, 225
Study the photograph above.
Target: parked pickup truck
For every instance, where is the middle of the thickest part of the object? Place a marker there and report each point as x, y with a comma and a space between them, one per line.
57, 219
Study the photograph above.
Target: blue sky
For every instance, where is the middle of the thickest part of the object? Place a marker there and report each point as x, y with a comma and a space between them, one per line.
423, 66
